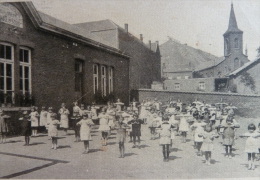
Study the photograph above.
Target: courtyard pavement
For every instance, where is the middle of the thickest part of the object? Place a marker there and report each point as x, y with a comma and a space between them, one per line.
67, 162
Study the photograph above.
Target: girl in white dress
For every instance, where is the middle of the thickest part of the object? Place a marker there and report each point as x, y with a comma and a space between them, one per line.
64, 117
85, 129
53, 130
251, 147
34, 115
103, 126
198, 128
49, 119
43, 118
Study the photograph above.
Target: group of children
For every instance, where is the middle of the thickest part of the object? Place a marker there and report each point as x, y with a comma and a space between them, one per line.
203, 122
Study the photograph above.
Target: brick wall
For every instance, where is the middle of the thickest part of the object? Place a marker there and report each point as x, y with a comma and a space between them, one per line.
249, 105
53, 65
145, 65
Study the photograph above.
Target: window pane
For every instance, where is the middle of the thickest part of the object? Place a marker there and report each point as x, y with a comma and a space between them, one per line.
26, 72
21, 55
26, 84
95, 69
21, 84
2, 51
76, 67
21, 71
9, 70
8, 52
2, 83
26, 56
2, 69
9, 84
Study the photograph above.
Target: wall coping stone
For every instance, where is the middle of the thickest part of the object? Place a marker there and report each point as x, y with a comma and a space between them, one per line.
199, 92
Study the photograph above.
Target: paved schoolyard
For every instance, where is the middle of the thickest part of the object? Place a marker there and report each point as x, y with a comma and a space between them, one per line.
39, 161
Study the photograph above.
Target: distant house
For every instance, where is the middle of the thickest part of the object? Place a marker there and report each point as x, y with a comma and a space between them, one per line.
246, 79
180, 61
145, 59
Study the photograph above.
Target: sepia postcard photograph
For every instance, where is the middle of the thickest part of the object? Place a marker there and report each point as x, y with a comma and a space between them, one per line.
129, 89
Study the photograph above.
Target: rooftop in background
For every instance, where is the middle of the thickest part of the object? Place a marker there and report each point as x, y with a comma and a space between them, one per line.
107, 25
71, 28
246, 66
181, 57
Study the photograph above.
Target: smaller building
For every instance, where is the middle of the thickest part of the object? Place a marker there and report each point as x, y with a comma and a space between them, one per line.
199, 84
246, 79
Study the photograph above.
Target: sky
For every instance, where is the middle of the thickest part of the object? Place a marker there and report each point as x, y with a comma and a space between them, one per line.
198, 23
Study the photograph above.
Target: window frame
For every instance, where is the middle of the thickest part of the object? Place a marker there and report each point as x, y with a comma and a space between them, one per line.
111, 80
202, 87
23, 65
5, 61
104, 80
177, 86
95, 76
79, 88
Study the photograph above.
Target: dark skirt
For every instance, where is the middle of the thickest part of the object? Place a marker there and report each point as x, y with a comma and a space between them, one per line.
26, 128
136, 132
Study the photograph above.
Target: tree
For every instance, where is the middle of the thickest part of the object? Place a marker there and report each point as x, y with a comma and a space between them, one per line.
248, 80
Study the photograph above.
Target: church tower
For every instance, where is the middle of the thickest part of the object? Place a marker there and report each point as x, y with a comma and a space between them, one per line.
233, 44
233, 37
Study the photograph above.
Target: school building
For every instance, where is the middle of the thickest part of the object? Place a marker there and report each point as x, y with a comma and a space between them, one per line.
145, 61
45, 61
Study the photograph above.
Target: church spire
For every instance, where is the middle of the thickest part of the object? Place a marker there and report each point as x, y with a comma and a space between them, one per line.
232, 26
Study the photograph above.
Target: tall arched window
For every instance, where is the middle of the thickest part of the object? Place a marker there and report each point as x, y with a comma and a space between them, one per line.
236, 63
236, 43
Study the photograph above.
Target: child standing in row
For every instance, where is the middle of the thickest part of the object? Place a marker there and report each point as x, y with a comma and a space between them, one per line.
207, 146
165, 137
34, 121
26, 127
85, 129
198, 129
229, 134
121, 134
64, 118
252, 145
184, 124
3, 126
43, 119
53, 130
103, 126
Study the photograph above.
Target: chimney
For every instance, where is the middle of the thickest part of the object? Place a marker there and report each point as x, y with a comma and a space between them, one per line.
126, 28
150, 44
141, 37
157, 42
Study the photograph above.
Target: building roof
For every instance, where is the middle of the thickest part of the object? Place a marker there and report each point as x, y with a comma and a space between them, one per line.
48, 23
71, 28
96, 26
178, 57
106, 25
246, 66
232, 26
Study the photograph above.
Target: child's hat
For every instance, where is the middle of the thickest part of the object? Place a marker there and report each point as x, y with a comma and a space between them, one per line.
25, 112
50, 108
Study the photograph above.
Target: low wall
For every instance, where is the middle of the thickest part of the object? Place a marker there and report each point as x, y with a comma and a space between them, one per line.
249, 105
